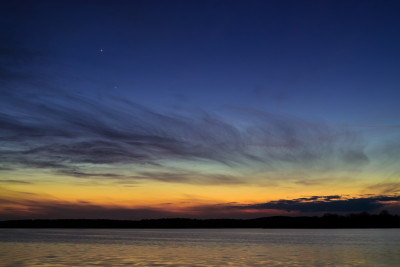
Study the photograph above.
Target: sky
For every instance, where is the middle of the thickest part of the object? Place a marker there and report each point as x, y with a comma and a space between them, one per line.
198, 109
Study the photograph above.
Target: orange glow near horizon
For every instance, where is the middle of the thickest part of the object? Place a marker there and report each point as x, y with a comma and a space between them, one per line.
177, 198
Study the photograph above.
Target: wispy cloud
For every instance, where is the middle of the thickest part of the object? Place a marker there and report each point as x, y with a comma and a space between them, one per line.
386, 187
10, 181
75, 210
23, 205
61, 133
192, 177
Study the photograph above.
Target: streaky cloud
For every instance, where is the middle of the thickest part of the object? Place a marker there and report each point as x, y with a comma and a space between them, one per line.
10, 181
386, 187
61, 133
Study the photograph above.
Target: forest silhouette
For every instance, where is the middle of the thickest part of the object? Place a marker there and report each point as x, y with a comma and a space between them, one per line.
360, 220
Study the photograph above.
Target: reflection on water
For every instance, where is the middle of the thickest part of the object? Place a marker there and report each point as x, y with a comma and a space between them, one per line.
199, 247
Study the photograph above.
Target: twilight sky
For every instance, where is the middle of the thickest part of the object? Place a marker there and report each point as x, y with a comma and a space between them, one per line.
203, 109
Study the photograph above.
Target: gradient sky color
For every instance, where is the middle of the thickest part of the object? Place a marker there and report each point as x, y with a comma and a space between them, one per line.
204, 109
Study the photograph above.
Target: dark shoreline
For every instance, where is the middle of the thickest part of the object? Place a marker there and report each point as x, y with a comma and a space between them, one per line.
333, 221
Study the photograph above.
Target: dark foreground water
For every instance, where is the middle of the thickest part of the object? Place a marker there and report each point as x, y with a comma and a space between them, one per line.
200, 247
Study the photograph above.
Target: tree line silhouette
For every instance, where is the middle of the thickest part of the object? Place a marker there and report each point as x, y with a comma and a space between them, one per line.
360, 220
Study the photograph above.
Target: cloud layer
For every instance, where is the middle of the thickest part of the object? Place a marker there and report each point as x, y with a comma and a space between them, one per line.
325, 204
32, 206
66, 134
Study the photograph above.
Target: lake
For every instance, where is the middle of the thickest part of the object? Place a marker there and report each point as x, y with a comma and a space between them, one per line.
200, 247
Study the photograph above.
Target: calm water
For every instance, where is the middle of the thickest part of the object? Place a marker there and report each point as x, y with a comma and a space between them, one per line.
196, 247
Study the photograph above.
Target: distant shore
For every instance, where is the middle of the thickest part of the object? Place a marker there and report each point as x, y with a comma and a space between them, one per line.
361, 220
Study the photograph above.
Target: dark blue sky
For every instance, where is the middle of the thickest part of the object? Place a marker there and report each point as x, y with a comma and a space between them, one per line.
334, 60
300, 95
